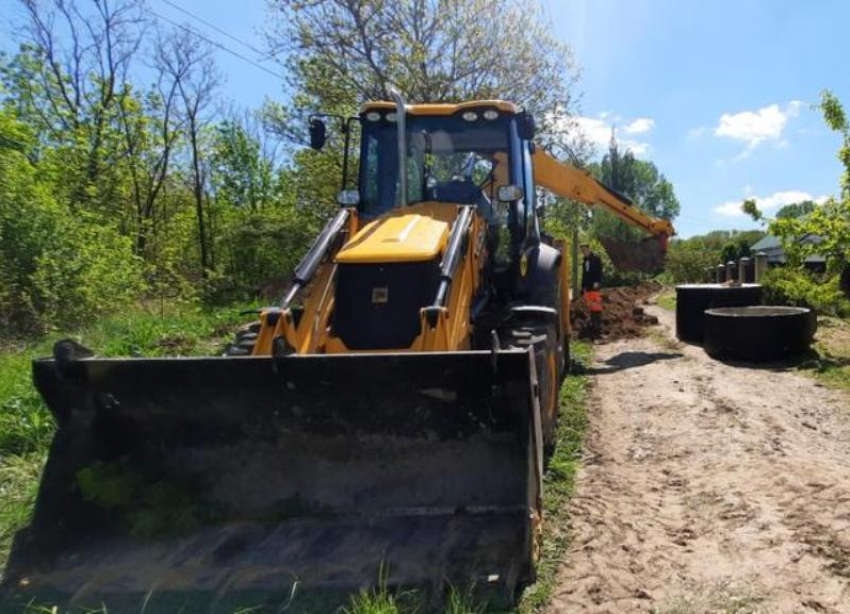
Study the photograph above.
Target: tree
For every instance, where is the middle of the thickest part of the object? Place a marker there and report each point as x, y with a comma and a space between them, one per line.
188, 61
71, 89
797, 210
830, 222
343, 52
640, 181
57, 267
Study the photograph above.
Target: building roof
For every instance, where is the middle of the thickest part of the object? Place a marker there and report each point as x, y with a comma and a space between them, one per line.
772, 247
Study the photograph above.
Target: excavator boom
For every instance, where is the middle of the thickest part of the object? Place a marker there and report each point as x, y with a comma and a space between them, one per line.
570, 182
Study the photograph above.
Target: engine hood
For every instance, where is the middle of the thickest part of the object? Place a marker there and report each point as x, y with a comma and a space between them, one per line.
408, 234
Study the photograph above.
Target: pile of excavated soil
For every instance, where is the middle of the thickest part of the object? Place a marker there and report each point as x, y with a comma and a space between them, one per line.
623, 313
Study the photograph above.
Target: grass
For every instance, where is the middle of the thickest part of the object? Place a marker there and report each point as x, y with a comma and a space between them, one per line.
667, 299
19, 474
559, 482
832, 344
829, 359
719, 598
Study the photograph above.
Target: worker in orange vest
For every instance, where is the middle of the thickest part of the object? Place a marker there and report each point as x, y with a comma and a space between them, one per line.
591, 286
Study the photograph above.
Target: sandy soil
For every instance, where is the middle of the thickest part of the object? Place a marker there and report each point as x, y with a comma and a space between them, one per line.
708, 488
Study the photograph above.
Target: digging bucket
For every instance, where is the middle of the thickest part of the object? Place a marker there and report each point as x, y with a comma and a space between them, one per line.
646, 256
213, 484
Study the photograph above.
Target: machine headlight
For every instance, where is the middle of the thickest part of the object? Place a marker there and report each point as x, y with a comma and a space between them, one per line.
470, 116
373, 116
491, 114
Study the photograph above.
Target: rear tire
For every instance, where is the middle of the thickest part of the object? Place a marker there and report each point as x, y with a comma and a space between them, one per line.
544, 341
245, 339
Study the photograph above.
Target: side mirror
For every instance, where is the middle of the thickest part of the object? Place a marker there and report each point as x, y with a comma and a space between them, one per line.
348, 198
509, 193
318, 134
526, 126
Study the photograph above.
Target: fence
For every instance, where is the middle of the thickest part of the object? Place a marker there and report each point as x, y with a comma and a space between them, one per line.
744, 271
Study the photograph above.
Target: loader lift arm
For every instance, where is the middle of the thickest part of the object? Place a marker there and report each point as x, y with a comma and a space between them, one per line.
570, 182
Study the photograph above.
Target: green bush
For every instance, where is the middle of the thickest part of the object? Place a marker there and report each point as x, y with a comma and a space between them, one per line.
58, 267
798, 287
686, 265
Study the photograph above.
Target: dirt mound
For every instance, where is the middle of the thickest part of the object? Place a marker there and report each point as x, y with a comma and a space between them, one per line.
622, 316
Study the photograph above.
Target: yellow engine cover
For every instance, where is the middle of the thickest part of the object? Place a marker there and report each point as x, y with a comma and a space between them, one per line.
409, 234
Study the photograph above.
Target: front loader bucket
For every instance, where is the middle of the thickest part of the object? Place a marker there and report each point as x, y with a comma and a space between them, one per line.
646, 256
214, 484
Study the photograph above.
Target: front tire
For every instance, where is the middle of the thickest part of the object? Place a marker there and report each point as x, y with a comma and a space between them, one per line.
246, 338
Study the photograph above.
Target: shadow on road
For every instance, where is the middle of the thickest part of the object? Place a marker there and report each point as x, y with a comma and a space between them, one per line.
630, 360
810, 360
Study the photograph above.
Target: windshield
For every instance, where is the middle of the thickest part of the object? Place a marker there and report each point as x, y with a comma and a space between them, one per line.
449, 159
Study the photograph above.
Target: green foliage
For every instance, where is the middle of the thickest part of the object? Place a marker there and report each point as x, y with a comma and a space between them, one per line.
798, 287
667, 299
461, 601
261, 232
559, 482
108, 485
797, 210
25, 425
836, 119
688, 263
808, 229
694, 259
751, 208
150, 508
640, 181
19, 476
56, 267
379, 600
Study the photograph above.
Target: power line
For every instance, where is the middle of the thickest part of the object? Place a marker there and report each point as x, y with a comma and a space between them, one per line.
216, 44
264, 57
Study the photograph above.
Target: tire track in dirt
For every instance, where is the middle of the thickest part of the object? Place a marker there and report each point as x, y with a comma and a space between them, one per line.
708, 487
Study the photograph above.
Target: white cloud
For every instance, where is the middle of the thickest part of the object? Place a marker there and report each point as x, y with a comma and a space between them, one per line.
755, 127
766, 204
641, 124
598, 131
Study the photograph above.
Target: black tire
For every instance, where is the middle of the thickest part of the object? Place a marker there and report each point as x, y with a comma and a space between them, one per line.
245, 339
544, 341
758, 334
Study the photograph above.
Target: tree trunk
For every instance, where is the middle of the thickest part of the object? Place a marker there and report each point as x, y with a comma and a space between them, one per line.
199, 200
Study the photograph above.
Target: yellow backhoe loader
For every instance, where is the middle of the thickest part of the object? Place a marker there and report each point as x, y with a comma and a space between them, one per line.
391, 413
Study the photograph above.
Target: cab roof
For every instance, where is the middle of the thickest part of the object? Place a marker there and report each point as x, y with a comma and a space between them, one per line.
442, 108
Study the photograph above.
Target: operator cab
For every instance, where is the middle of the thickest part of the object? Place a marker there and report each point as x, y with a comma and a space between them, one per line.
475, 153
459, 154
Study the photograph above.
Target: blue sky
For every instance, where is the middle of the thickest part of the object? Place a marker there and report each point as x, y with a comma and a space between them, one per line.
718, 94
725, 89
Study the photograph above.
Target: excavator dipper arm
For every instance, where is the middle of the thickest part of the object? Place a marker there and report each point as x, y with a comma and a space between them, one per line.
570, 182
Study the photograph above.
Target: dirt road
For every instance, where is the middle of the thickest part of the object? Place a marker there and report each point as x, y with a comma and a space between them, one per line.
708, 488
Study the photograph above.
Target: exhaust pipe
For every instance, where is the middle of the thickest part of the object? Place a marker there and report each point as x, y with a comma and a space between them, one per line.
401, 124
